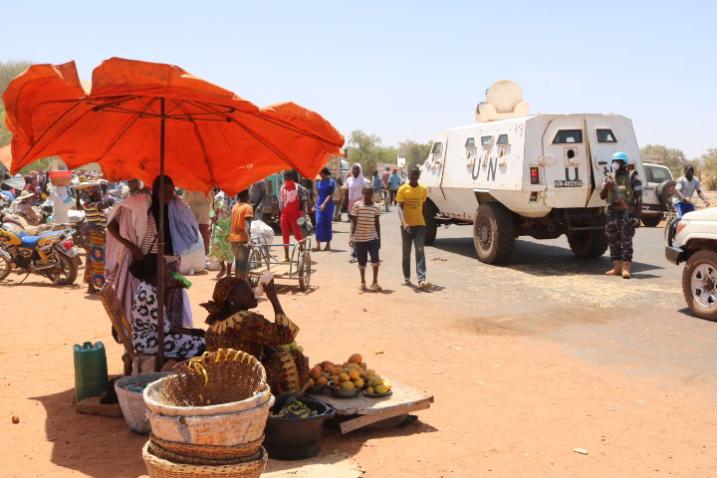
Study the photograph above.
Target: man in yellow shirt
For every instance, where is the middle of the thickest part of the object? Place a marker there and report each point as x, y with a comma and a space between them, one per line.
410, 198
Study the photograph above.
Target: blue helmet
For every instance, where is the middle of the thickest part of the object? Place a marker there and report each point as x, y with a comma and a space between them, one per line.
620, 156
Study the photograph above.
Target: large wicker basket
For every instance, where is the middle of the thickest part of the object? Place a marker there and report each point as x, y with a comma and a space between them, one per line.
219, 399
208, 452
161, 468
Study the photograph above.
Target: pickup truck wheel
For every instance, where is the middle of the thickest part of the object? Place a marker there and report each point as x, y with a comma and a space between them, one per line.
429, 215
699, 284
651, 221
493, 233
588, 243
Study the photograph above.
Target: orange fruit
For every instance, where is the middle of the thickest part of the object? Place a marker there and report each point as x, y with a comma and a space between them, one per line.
356, 358
354, 374
344, 377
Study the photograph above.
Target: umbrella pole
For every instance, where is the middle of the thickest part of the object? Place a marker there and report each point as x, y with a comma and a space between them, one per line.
161, 282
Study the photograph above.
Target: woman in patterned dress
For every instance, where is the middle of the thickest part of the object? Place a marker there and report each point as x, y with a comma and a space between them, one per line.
133, 233
219, 247
179, 343
233, 325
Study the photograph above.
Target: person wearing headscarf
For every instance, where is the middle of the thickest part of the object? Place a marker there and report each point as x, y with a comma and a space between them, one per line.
133, 233
219, 246
89, 199
233, 325
355, 184
324, 209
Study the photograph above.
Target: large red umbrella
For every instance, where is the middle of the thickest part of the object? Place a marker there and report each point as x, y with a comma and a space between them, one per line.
143, 119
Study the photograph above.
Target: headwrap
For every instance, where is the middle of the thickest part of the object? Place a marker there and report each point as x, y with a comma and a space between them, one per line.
220, 298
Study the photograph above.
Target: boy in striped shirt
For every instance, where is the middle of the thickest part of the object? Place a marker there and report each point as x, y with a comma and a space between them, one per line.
366, 234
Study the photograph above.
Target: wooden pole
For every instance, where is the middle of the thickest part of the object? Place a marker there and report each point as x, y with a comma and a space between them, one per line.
161, 283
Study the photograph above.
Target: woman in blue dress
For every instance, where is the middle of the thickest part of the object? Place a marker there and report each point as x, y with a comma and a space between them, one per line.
324, 209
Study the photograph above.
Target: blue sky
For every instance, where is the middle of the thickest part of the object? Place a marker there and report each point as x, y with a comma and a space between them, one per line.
408, 69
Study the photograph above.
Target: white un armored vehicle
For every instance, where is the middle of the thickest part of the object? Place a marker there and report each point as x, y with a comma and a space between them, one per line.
512, 174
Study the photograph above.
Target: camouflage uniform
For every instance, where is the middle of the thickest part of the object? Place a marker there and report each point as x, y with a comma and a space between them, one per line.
620, 226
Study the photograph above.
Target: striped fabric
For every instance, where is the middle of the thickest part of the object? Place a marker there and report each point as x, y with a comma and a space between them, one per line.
365, 221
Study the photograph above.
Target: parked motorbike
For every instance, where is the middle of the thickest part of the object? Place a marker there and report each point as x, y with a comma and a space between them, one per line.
51, 254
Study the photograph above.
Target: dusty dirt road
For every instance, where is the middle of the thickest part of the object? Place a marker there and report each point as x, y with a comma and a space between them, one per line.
526, 362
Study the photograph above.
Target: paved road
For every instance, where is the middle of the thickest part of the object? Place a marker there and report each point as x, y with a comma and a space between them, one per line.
641, 325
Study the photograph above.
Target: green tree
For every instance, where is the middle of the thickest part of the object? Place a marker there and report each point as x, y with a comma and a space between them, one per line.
673, 158
415, 153
8, 71
708, 162
364, 149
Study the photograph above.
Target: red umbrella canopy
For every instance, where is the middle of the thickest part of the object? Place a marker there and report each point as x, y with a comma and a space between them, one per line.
212, 136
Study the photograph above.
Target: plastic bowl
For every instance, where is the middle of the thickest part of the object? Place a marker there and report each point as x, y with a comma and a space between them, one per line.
129, 394
296, 438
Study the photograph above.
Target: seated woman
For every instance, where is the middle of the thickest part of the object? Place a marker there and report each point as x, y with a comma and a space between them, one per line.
233, 325
179, 343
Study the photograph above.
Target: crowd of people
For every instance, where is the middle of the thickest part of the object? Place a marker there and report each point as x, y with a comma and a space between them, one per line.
120, 223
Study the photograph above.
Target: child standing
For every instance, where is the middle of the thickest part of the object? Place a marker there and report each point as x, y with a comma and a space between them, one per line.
366, 233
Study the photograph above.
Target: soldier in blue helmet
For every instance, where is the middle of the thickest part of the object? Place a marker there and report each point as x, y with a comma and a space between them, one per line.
623, 193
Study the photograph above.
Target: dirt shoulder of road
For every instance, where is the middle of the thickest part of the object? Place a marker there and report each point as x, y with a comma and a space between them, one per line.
506, 403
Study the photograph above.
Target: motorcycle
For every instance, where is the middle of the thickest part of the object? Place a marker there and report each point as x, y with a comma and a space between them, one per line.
51, 254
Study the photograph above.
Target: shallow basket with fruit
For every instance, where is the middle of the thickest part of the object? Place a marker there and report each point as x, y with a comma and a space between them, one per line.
344, 391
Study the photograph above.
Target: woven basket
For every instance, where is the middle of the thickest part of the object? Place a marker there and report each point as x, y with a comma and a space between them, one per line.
223, 376
234, 423
161, 468
211, 452
220, 398
184, 459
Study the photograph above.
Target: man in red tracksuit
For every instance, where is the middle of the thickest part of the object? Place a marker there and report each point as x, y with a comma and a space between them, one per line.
291, 200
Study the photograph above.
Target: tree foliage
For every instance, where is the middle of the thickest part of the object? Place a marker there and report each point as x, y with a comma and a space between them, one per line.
415, 153
366, 149
673, 158
709, 168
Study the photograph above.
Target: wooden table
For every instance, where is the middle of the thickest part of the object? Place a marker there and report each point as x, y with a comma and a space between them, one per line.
403, 401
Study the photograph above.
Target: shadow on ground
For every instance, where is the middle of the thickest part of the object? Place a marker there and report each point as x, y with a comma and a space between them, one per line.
105, 448
335, 447
544, 259
95, 446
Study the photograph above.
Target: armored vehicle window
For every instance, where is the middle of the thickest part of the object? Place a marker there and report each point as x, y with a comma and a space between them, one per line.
606, 136
437, 148
470, 143
503, 139
486, 140
569, 136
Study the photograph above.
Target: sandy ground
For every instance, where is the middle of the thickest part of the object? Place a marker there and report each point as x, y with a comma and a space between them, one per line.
509, 401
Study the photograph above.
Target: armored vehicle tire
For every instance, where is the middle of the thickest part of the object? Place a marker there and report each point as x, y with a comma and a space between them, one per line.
699, 281
651, 221
429, 215
493, 233
588, 243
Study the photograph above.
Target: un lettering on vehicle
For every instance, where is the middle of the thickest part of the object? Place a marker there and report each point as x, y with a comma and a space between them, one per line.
570, 182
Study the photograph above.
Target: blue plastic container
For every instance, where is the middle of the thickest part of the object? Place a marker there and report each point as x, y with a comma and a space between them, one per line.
90, 370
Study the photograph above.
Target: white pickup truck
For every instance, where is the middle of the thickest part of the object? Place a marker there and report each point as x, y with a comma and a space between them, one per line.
693, 240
